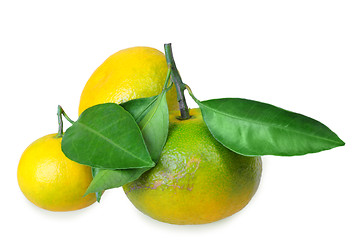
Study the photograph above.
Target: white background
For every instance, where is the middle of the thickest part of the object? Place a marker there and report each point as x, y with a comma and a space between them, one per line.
299, 55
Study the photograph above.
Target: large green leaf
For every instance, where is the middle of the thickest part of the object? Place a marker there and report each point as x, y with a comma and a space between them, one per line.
254, 128
106, 136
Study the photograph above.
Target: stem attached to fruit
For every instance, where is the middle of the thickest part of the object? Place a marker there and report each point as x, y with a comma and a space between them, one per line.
179, 85
61, 112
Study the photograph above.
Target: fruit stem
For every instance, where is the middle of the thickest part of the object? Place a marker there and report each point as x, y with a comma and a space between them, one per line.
61, 112
179, 85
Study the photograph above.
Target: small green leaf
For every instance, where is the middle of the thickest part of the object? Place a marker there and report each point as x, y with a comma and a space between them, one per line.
155, 126
106, 178
99, 193
152, 116
106, 136
253, 128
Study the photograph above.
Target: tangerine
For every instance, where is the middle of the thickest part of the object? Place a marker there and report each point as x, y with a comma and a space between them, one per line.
197, 180
131, 73
52, 181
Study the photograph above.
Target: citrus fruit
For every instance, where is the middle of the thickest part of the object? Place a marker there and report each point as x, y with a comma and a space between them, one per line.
136, 72
52, 181
196, 180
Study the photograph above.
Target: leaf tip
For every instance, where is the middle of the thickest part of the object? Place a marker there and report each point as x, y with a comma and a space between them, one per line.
341, 143
338, 141
149, 164
88, 191
98, 196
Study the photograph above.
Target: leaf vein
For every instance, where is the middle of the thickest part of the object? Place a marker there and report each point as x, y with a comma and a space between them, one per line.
110, 141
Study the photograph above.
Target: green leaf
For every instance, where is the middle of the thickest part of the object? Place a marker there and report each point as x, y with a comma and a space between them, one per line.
106, 179
153, 116
139, 107
98, 193
106, 136
254, 128
155, 126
